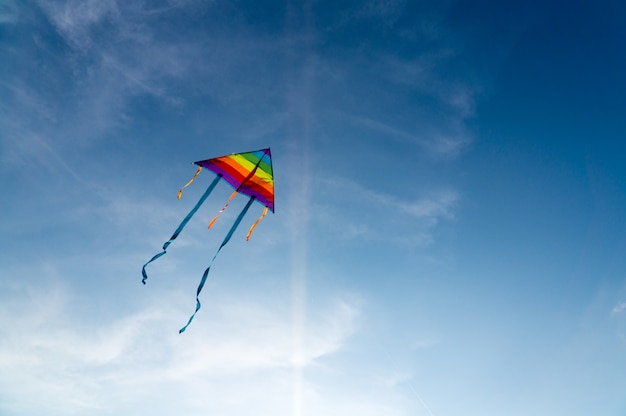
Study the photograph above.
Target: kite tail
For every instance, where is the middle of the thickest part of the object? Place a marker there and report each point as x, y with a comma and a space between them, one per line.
206, 272
182, 224
180, 193
223, 209
258, 220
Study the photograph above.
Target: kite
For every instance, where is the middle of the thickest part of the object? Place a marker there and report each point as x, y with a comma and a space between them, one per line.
250, 174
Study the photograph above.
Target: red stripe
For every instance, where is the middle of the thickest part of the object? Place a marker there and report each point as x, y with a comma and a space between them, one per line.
262, 187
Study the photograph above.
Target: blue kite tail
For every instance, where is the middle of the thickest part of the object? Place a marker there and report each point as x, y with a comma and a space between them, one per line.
206, 272
180, 227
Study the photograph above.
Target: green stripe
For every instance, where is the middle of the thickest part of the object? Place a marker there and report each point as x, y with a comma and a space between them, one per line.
254, 159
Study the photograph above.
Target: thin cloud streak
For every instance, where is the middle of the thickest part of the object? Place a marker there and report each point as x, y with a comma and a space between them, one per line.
418, 217
437, 143
74, 19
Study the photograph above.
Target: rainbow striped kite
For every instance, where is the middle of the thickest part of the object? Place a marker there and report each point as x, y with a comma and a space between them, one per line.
250, 174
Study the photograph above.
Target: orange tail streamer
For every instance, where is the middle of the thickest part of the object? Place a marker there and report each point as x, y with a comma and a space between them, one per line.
258, 220
180, 193
222, 210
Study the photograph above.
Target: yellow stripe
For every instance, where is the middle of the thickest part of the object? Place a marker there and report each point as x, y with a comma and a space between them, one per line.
249, 166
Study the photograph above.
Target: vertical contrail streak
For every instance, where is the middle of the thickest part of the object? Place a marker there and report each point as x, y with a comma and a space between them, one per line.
299, 249
298, 323
299, 205
299, 75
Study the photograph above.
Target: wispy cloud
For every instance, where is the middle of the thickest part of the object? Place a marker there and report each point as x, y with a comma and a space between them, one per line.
434, 140
75, 19
9, 12
430, 109
107, 54
387, 216
73, 364
619, 308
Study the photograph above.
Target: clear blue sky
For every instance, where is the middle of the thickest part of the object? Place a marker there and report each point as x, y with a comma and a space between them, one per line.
450, 227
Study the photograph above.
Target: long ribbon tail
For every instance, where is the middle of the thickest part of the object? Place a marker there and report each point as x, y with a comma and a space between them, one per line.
180, 227
206, 272
258, 220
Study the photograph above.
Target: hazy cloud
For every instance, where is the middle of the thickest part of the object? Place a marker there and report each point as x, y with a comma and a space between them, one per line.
390, 216
73, 363
619, 308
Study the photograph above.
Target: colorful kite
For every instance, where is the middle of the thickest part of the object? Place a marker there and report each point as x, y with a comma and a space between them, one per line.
250, 174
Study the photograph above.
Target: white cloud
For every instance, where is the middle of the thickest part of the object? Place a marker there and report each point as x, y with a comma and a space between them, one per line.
72, 364
619, 308
434, 207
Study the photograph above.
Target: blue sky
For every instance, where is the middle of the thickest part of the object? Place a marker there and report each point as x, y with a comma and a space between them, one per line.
450, 208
